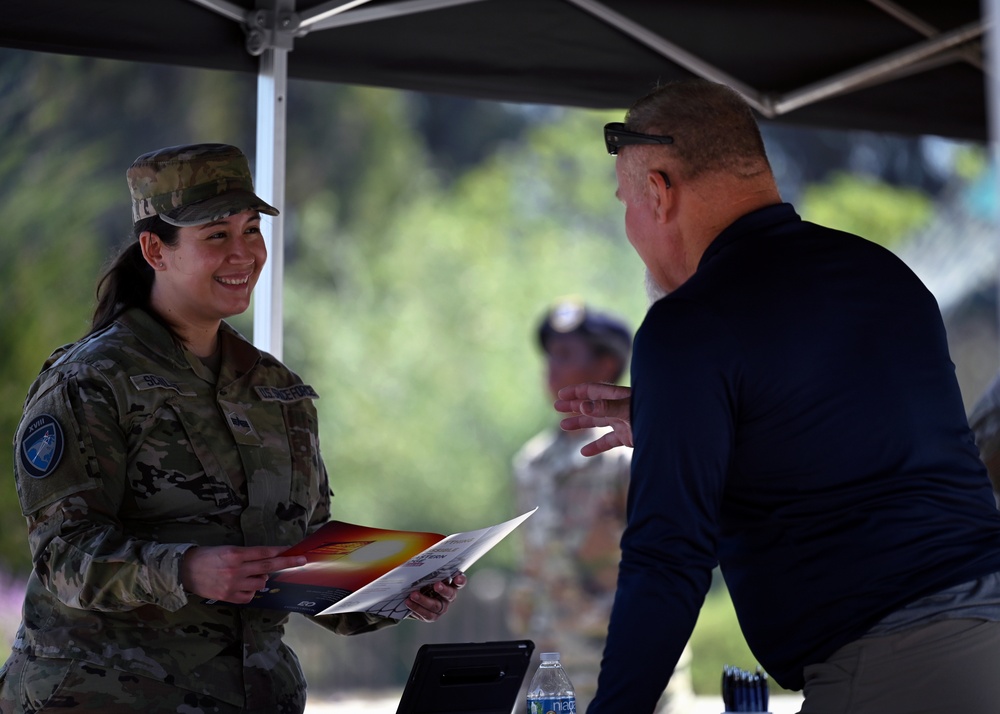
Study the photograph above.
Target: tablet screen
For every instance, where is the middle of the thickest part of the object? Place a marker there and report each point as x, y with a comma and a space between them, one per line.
466, 678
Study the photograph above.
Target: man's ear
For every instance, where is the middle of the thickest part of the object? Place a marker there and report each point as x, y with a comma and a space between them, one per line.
660, 189
152, 249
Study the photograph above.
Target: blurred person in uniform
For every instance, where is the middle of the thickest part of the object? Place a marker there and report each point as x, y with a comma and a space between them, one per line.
562, 596
796, 420
985, 422
162, 462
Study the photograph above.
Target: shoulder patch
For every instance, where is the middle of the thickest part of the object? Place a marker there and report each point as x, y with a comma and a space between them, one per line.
41, 446
286, 394
155, 381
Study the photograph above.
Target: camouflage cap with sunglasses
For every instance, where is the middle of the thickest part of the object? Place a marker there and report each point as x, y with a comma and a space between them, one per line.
193, 184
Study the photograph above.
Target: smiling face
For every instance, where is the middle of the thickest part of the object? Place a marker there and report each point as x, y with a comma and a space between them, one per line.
210, 273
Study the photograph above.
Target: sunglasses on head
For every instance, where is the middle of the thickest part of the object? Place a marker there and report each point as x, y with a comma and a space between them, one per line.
616, 136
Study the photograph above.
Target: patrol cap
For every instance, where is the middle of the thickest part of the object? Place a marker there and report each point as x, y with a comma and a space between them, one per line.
573, 317
193, 184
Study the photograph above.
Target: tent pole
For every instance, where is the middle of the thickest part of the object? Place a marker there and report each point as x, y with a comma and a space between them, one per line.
272, 86
270, 31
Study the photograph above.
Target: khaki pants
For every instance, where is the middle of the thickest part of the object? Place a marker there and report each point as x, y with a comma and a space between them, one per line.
947, 667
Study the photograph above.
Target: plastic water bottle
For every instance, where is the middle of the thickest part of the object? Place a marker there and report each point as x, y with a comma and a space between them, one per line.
550, 691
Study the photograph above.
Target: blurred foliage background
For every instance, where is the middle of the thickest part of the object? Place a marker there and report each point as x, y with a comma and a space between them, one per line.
425, 237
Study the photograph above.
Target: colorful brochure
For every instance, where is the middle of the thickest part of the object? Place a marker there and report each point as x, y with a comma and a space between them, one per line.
355, 568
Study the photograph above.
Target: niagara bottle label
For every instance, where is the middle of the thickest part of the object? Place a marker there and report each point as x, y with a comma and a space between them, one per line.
552, 705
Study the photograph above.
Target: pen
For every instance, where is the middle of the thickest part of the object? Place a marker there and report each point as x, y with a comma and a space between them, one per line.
744, 691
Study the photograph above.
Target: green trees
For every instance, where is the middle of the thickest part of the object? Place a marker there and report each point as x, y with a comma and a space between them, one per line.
867, 207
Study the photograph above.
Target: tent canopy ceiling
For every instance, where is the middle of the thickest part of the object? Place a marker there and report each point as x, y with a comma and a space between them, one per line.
907, 66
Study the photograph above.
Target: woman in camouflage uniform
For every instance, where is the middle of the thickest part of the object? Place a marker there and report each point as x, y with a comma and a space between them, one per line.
163, 462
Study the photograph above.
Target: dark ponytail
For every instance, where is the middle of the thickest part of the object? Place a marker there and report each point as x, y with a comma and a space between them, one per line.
128, 281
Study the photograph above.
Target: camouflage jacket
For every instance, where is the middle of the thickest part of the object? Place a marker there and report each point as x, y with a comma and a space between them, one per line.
129, 452
571, 545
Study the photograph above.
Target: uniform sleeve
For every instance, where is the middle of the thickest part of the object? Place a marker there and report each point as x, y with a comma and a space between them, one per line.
323, 505
70, 466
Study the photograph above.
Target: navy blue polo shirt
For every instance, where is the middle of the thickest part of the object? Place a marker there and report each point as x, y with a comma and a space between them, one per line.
797, 420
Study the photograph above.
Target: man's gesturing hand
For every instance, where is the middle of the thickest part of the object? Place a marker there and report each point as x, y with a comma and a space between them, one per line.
595, 404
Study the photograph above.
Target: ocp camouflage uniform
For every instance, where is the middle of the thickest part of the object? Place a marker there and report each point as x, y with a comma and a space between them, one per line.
562, 598
563, 594
130, 452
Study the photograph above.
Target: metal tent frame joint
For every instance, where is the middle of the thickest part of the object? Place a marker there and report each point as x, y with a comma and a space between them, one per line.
268, 30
